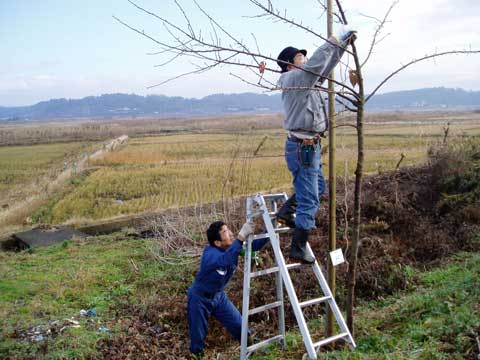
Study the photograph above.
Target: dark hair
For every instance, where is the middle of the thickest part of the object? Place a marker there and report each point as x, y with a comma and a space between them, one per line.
213, 231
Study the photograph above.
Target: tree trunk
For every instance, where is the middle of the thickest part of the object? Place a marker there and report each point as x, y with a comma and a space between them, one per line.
353, 255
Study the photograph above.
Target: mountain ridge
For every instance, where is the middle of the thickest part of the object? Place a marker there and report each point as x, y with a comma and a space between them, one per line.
131, 105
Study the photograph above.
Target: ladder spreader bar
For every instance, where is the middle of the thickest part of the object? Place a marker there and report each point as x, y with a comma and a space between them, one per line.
330, 339
314, 301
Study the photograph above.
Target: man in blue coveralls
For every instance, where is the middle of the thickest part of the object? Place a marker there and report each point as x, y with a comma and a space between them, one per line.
207, 296
306, 121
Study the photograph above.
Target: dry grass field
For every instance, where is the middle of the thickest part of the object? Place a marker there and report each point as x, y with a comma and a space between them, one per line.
180, 162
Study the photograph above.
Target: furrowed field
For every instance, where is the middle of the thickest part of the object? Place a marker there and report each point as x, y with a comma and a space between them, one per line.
153, 173
186, 162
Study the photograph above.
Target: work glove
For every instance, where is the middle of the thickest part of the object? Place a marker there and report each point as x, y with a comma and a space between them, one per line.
345, 32
246, 230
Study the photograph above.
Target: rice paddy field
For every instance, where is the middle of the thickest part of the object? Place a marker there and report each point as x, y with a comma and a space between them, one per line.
25, 168
185, 168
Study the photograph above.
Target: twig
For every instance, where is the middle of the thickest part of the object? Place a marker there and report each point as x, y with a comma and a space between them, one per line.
276, 14
260, 145
402, 156
135, 267
445, 133
377, 31
344, 19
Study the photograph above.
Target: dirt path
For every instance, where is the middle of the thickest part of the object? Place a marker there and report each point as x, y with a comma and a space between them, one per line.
13, 218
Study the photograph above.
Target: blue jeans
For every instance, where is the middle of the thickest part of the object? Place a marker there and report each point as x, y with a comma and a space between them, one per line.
308, 182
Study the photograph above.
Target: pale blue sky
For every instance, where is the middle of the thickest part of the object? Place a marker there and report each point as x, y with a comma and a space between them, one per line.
72, 49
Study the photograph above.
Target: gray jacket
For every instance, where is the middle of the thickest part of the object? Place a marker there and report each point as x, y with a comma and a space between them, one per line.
305, 108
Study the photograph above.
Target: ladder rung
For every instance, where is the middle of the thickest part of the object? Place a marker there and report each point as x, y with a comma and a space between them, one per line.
256, 214
265, 307
314, 301
274, 270
330, 339
264, 236
264, 343
260, 236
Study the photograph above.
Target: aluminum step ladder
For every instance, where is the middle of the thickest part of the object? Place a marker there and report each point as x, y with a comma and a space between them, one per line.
257, 206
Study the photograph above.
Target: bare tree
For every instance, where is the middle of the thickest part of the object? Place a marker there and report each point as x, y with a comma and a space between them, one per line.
220, 47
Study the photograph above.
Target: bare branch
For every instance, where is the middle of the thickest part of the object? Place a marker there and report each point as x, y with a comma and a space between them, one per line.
345, 105
169, 60
275, 87
324, 7
259, 85
370, 17
378, 30
456, 52
402, 156
212, 48
225, 31
187, 19
276, 14
198, 71
211, 53
256, 42
344, 19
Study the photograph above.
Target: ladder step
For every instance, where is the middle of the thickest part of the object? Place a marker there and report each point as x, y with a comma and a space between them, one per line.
274, 270
330, 339
264, 343
314, 301
265, 307
282, 229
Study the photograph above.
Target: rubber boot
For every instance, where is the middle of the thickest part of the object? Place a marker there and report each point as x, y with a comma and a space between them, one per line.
298, 250
286, 212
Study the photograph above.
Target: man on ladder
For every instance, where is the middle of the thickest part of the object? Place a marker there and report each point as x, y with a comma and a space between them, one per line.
306, 121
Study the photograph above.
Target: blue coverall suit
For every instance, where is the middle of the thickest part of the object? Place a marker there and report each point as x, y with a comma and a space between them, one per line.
207, 297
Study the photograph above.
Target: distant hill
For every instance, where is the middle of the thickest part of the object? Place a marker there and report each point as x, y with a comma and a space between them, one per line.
118, 105
429, 98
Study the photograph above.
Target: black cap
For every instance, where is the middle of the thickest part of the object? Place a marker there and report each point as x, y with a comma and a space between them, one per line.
287, 55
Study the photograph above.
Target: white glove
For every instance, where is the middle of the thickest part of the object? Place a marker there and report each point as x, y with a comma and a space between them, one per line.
246, 230
344, 32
